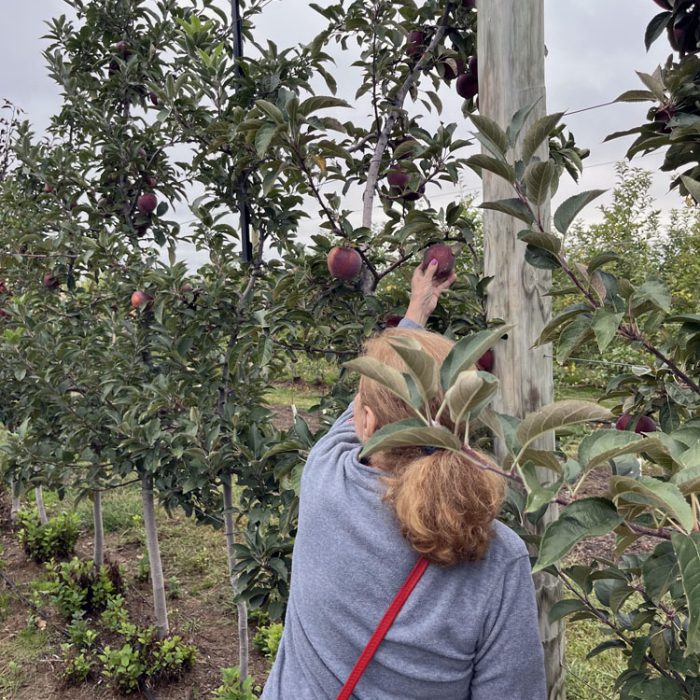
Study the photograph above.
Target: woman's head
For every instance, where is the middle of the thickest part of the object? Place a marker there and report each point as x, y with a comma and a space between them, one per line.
444, 502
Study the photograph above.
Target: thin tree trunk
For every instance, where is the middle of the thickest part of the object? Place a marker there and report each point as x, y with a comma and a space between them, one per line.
39, 495
16, 504
241, 608
98, 550
149, 521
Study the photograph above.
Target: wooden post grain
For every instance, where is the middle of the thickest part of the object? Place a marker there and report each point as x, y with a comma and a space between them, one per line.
511, 76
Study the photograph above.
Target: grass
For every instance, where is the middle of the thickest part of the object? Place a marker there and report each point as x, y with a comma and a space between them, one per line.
18, 655
590, 679
286, 396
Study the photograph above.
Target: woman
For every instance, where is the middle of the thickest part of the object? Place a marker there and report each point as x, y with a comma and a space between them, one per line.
468, 631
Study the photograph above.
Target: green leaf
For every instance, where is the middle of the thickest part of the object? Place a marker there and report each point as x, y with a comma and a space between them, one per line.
568, 210
491, 135
687, 548
542, 458
693, 186
538, 133
656, 27
541, 259
587, 517
653, 292
388, 377
410, 433
562, 608
654, 494
316, 102
469, 392
550, 331
481, 161
599, 447
264, 137
538, 494
573, 337
605, 324
687, 480
421, 366
512, 207
467, 351
600, 260
636, 96
557, 415
655, 85
546, 241
271, 111
539, 177
518, 121
660, 570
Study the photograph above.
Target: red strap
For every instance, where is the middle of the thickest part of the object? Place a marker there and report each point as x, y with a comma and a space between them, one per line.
383, 628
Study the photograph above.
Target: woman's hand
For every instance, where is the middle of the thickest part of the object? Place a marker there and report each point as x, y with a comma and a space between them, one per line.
425, 292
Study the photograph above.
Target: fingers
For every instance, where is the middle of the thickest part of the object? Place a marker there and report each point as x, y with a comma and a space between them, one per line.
444, 285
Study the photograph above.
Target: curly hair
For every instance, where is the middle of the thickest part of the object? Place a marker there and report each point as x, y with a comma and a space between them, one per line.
445, 503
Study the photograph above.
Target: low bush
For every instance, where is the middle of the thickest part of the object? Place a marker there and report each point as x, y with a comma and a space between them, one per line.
55, 540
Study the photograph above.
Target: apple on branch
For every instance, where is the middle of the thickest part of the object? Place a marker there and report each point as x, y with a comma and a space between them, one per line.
344, 263
139, 299
147, 203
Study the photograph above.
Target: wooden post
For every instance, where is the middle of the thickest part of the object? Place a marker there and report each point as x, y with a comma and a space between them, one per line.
511, 76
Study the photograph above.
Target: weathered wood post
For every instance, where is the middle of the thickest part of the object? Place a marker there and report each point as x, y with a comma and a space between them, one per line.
511, 76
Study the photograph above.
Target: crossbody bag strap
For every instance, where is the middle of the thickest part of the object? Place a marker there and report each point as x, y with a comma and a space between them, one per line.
382, 629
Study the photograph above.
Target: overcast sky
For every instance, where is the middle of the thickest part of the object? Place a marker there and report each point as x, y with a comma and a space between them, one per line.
594, 47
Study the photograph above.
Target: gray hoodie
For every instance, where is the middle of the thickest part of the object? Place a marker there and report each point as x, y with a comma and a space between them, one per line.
467, 632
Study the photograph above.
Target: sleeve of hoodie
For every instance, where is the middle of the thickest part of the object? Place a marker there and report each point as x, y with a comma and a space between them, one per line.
510, 661
344, 425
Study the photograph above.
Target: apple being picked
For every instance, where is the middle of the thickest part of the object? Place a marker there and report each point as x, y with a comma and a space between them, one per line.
139, 298
344, 263
445, 258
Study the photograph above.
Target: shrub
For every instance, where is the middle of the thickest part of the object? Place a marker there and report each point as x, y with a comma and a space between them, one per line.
55, 540
78, 587
267, 639
234, 688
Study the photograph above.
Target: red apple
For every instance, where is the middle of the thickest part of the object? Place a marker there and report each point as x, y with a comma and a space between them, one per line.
452, 67
139, 298
49, 281
392, 321
147, 203
3, 287
4, 314
642, 424
416, 43
467, 86
485, 362
48, 189
153, 98
398, 179
122, 48
150, 180
445, 257
344, 263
